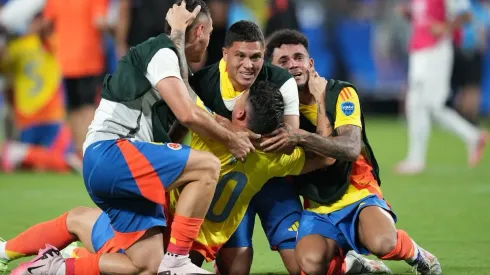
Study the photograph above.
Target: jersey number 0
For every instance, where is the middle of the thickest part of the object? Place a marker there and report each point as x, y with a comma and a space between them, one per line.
241, 182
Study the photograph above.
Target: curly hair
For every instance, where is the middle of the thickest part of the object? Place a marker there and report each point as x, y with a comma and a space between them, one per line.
284, 37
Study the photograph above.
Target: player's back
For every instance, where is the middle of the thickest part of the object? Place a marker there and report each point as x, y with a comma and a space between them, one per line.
36, 82
238, 183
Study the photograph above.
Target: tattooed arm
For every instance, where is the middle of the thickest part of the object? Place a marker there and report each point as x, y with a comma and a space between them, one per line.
345, 146
323, 125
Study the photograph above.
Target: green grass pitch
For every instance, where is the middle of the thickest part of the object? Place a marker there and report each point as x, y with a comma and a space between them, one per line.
445, 210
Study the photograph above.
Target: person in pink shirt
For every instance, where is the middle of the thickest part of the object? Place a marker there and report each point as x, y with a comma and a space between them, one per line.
430, 67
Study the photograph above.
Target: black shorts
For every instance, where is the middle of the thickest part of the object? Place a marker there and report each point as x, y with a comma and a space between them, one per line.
466, 69
81, 91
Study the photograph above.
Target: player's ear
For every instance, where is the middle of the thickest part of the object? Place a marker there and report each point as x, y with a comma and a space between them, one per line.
199, 31
312, 63
225, 53
241, 115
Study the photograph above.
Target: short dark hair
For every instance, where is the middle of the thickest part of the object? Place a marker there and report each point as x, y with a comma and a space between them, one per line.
266, 107
284, 37
190, 6
244, 31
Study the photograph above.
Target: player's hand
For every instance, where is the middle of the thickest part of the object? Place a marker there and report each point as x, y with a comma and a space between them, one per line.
284, 137
241, 145
179, 18
317, 85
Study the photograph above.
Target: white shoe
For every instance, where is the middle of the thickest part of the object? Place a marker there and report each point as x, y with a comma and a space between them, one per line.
357, 264
184, 267
409, 168
426, 263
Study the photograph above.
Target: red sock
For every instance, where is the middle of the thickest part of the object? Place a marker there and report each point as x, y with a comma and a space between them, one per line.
80, 252
184, 232
88, 265
28, 243
337, 266
41, 158
404, 249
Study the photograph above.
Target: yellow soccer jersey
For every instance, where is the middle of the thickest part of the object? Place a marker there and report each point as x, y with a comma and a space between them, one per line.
35, 72
363, 184
238, 183
309, 111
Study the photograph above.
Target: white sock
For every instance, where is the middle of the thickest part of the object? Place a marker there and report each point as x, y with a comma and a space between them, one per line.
3, 254
349, 264
16, 153
415, 254
452, 121
418, 122
174, 260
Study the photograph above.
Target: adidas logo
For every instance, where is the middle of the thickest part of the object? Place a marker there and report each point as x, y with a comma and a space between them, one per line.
294, 226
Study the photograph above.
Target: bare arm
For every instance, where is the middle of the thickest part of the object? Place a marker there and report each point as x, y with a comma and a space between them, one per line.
292, 120
175, 94
345, 146
323, 125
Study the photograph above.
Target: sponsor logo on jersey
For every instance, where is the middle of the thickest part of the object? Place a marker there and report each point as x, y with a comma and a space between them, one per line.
347, 108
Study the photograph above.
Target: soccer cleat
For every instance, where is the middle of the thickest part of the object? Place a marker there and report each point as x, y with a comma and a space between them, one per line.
4, 265
3, 262
68, 252
476, 153
426, 263
361, 265
5, 165
185, 267
48, 261
409, 168
215, 267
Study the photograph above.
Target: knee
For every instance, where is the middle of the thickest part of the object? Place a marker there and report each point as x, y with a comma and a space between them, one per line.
74, 217
312, 263
383, 244
211, 167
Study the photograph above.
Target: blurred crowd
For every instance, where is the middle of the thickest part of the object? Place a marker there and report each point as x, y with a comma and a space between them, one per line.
55, 53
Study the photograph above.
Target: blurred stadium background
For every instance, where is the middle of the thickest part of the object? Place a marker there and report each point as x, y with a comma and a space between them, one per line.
361, 41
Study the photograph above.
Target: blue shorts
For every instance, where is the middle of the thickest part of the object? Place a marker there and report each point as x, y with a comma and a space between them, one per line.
127, 180
50, 136
340, 225
279, 210
102, 234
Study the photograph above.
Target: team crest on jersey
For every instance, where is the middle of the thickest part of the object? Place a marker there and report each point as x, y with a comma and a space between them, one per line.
347, 108
174, 146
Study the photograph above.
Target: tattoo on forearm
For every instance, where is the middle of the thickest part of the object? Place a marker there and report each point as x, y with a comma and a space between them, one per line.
345, 146
178, 37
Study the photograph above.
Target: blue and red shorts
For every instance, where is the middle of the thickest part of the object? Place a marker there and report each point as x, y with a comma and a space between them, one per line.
340, 225
53, 136
128, 180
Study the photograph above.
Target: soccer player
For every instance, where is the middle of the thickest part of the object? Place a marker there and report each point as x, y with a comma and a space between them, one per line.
219, 86
128, 175
432, 25
349, 212
260, 110
279, 208
38, 105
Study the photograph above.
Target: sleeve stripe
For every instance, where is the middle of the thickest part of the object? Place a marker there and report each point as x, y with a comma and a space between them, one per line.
342, 96
345, 94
